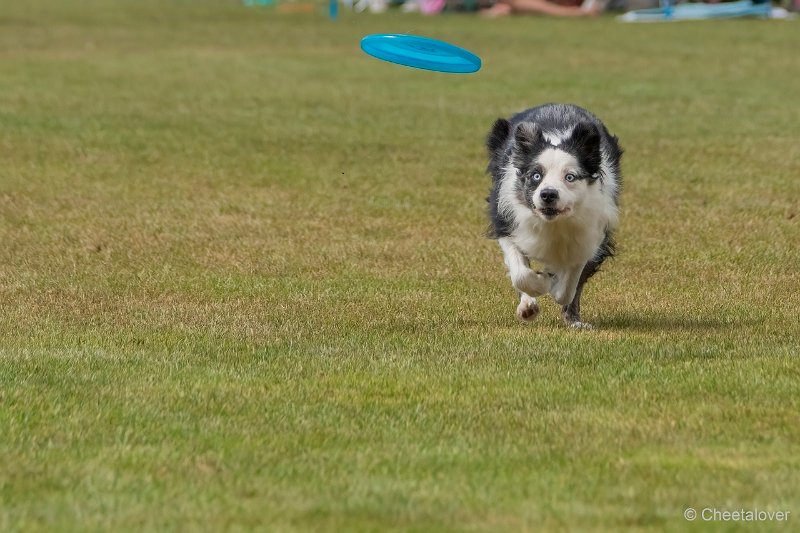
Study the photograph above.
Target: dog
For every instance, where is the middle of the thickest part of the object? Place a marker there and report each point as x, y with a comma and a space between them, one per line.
554, 200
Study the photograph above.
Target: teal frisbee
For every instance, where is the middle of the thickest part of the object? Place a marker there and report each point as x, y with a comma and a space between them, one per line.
421, 52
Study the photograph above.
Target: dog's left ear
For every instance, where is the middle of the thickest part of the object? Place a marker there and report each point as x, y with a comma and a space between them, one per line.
585, 143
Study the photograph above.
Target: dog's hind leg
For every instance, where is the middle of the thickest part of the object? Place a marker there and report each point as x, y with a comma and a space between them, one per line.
565, 284
571, 313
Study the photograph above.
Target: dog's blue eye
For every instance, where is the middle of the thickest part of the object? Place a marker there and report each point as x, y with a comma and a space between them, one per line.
536, 176
570, 177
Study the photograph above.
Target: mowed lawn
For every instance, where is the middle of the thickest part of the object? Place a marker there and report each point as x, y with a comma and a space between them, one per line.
244, 282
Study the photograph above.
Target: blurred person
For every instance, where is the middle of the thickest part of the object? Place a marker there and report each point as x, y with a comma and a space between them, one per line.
557, 8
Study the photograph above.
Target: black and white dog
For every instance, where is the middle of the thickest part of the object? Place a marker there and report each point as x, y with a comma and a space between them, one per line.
555, 184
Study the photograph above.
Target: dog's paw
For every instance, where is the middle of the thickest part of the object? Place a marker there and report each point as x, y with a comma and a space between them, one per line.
580, 325
528, 309
533, 283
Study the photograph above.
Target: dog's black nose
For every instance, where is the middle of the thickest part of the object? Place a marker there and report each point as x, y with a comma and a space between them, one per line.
548, 196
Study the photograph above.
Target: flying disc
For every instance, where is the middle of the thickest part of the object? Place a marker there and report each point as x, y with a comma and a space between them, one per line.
420, 52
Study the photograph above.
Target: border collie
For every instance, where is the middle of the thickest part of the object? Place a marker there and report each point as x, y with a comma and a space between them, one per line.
555, 186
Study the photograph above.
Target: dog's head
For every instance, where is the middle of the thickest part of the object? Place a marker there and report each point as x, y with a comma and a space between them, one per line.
554, 173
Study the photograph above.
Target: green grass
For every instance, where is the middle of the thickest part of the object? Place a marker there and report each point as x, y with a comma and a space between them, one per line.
244, 283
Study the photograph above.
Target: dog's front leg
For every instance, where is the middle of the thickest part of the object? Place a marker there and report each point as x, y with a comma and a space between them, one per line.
565, 284
528, 283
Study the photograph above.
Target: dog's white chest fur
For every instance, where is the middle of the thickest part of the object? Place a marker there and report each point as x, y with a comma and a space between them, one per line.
559, 244
569, 241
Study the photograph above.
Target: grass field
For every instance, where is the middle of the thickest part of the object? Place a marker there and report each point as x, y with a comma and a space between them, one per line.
244, 283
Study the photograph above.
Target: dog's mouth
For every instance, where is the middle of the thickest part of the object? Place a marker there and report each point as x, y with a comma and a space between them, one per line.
549, 213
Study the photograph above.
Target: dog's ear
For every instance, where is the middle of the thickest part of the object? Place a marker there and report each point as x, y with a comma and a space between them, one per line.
585, 143
498, 136
527, 135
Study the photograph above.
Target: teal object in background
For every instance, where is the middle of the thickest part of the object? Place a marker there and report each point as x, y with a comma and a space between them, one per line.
258, 2
699, 11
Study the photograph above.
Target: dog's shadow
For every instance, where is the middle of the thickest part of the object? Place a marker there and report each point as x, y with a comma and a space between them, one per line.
655, 322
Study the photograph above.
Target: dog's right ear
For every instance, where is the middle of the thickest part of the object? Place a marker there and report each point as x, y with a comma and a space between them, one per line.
498, 136
527, 136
